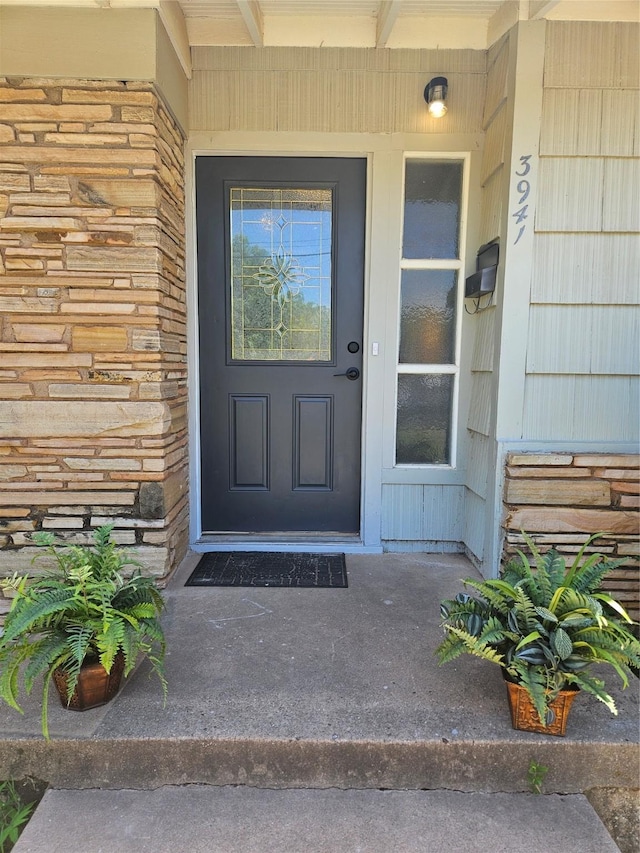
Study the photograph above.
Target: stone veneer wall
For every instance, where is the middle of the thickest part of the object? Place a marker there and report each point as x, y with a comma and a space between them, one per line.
561, 499
93, 421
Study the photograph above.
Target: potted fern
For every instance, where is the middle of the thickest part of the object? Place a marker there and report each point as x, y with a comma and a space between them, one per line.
83, 623
546, 625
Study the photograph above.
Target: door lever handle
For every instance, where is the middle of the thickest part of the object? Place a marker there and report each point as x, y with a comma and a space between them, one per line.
351, 373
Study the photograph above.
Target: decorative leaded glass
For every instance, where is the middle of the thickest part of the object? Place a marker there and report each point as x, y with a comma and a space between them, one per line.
280, 274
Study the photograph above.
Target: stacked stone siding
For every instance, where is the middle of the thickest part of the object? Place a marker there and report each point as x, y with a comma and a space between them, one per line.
93, 420
560, 499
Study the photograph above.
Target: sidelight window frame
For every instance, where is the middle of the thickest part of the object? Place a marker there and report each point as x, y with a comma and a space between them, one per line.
457, 265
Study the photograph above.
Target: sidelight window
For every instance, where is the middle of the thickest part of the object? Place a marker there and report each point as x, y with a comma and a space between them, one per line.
428, 353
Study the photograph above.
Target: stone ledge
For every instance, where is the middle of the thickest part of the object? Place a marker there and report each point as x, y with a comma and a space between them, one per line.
41, 419
536, 519
578, 493
154, 558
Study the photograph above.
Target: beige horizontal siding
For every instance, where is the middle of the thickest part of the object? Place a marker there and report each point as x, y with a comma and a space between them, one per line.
586, 268
494, 144
583, 339
337, 59
484, 343
582, 354
621, 122
491, 206
496, 81
582, 408
481, 402
569, 194
571, 122
333, 90
330, 101
590, 122
478, 472
621, 204
583, 54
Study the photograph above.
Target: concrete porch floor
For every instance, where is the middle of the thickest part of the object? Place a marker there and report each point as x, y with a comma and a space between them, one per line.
319, 688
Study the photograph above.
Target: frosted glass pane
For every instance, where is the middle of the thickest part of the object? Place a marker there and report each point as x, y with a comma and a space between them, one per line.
281, 274
424, 419
433, 191
428, 316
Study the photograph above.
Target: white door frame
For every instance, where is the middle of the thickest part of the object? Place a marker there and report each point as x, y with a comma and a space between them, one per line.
381, 152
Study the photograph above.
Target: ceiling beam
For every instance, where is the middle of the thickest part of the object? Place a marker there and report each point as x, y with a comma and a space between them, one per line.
252, 16
176, 27
539, 10
387, 16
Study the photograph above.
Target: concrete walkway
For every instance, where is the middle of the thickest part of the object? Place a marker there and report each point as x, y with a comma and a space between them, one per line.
199, 819
317, 689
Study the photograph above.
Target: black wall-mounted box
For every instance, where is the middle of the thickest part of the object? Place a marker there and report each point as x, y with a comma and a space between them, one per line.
483, 279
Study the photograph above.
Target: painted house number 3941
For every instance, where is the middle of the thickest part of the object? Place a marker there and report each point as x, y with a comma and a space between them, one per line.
523, 188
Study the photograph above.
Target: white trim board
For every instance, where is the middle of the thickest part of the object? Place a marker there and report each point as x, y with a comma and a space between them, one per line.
384, 153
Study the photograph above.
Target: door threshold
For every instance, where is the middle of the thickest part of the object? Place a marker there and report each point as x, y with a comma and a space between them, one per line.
304, 542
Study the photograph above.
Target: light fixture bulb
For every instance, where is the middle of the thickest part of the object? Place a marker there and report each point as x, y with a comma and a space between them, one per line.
435, 94
437, 109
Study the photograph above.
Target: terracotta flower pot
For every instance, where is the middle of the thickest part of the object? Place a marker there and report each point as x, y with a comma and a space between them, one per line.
524, 716
95, 685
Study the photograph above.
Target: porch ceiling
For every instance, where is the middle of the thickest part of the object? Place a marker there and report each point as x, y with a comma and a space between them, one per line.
372, 23
352, 23
417, 24
348, 23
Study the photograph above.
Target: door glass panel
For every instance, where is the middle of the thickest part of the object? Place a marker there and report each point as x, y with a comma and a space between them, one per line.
281, 274
428, 316
424, 416
433, 190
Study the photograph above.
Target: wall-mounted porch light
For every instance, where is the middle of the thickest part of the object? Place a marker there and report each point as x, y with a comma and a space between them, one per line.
435, 94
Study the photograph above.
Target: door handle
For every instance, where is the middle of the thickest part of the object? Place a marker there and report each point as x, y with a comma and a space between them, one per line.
351, 373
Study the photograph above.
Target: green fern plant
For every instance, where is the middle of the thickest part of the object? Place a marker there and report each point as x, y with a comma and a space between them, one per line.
545, 624
83, 609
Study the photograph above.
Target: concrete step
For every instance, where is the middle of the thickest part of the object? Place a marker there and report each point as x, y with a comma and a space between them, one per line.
201, 819
320, 688
493, 765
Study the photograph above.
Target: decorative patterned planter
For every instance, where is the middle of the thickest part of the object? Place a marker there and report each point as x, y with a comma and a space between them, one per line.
524, 716
95, 685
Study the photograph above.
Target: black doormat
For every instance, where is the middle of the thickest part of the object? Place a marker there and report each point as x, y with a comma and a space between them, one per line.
253, 568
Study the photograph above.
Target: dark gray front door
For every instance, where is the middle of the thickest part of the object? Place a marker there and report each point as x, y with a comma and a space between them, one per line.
280, 282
